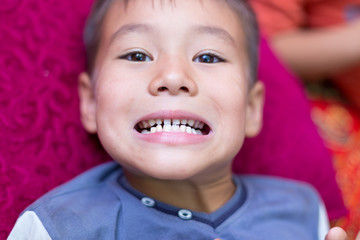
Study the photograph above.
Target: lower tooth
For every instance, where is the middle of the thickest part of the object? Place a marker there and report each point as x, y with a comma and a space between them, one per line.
182, 128
193, 131
167, 128
159, 128
188, 130
198, 132
175, 128
145, 131
153, 130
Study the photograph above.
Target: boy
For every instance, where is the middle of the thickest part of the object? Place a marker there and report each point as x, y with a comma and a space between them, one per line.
171, 93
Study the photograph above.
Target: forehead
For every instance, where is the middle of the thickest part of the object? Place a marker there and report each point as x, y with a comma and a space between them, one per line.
212, 17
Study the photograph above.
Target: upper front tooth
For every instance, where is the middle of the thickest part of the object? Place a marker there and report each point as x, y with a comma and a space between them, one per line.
167, 122
183, 121
191, 123
152, 122
158, 121
145, 124
176, 121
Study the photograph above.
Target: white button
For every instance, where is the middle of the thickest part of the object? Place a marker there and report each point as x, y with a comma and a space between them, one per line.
185, 214
149, 202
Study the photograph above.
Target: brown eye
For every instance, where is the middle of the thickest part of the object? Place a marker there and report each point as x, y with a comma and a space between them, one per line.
136, 57
208, 58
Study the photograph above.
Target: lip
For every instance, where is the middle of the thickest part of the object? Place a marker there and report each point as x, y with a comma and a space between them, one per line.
173, 138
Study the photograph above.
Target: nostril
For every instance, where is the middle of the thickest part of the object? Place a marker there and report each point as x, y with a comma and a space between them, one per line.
162, 89
184, 89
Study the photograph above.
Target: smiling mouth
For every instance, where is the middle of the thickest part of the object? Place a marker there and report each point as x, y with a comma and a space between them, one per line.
188, 126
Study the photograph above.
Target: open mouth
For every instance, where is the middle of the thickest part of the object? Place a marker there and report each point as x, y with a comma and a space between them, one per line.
188, 126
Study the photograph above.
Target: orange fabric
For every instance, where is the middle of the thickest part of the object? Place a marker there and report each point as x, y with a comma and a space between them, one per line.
277, 16
340, 128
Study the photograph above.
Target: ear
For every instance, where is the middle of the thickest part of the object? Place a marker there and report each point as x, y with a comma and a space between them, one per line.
87, 102
254, 109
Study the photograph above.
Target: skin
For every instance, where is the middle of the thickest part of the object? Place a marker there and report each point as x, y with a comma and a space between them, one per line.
172, 81
319, 53
337, 233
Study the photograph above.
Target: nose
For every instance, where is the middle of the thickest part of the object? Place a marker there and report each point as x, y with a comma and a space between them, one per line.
173, 78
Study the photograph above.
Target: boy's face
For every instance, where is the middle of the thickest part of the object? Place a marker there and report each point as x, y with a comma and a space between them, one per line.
180, 61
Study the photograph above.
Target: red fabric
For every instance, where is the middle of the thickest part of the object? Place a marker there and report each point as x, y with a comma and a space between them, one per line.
339, 125
42, 142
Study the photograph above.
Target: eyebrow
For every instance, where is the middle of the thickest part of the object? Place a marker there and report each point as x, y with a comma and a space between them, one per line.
199, 29
215, 31
129, 28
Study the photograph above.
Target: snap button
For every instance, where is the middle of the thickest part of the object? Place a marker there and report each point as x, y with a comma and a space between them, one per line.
185, 214
149, 202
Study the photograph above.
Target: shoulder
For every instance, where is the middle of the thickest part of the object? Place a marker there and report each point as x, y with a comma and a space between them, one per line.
294, 199
281, 203
86, 187
77, 208
89, 181
271, 185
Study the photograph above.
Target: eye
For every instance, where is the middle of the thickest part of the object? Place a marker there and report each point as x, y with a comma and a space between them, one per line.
208, 58
136, 57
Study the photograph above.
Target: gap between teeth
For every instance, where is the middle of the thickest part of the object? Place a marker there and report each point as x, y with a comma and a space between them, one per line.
168, 125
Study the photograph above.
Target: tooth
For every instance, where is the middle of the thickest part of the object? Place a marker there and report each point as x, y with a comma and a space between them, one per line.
198, 132
175, 128
145, 131
167, 128
145, 124
191, 123
167, 122
197, 123
158, 121
159, 128
182, 128
141, 125
193, 131
153, 130
152, 122
176, 121
188, 130
201, 125
183, 121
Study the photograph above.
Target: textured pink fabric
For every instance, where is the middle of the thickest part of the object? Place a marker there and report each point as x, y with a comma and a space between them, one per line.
289, 144
43, 144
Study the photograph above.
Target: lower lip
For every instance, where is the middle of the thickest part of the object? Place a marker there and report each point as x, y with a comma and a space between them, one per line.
173, 138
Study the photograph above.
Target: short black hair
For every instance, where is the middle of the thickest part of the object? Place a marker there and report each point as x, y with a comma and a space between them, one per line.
94, 24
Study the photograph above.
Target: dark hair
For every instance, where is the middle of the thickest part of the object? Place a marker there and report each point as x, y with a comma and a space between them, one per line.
94, 24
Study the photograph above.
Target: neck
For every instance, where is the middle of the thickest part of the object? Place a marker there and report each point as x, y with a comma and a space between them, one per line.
201, 196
